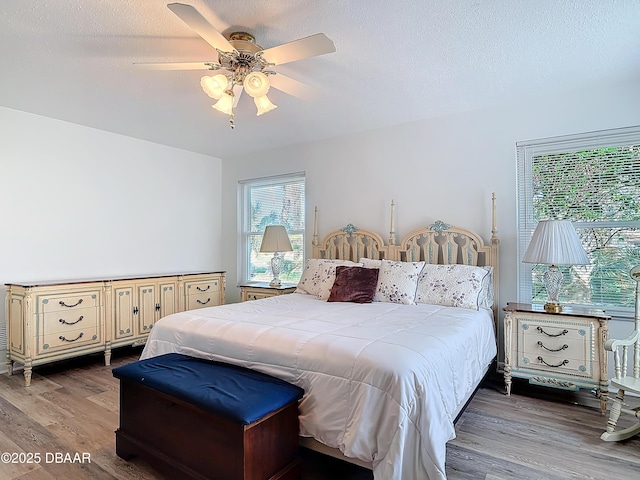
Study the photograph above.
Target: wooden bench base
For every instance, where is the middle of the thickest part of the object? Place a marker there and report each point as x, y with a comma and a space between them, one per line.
183, 441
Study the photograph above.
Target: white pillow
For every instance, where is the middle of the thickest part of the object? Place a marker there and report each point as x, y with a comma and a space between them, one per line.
397, 282
452, 285
318, 276
486, 292
370, 262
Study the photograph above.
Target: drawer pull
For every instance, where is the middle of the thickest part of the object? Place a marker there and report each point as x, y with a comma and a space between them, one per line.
203, 303
563, 347
64, 322
157, 307
564, 362
70, 306
64, 339
563, 332
203, 289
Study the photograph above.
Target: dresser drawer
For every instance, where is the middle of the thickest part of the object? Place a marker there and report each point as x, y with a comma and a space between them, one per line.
201, 300
197, 287
556, 347
260, 290
66, 320
68, 340
68, 301
253, 295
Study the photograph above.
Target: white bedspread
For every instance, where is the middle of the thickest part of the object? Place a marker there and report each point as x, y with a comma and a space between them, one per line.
383, 381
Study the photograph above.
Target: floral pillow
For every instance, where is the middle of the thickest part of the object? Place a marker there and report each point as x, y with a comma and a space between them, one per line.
318, 276
397, 282
452, 286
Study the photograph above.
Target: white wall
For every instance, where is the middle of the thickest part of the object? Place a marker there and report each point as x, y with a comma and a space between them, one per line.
436, 169
84, 203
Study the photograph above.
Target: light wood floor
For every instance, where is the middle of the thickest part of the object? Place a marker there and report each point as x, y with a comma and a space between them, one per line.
537, 434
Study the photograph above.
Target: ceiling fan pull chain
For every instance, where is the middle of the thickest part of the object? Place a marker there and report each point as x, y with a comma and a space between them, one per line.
231, 122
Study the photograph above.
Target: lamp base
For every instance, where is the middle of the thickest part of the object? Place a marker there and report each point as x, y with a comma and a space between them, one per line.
552, 282
276, 266
552, 307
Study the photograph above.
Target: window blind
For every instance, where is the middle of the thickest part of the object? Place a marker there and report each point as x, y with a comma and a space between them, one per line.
278, 200
593, 180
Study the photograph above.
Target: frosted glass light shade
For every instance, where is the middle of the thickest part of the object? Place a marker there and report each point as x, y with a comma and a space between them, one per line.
225, 104
256, 84
555, 242
214, 86
264, 105
275, 239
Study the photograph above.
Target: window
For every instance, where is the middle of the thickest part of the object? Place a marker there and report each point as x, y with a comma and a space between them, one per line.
593, 180
272, 201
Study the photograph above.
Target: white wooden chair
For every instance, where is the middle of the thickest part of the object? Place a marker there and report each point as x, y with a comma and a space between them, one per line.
623, 382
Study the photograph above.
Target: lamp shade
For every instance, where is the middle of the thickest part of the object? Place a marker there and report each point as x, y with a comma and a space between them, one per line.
256, 84
263, 104
225, 104
275, 239
214, 86
555, 242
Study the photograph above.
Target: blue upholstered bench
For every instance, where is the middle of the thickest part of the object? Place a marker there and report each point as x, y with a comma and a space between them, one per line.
194, 418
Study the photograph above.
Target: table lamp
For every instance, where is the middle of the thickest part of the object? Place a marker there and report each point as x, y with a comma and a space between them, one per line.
555, 242
276, 240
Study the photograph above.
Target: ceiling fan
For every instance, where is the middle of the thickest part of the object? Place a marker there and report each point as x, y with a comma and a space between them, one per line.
242, 64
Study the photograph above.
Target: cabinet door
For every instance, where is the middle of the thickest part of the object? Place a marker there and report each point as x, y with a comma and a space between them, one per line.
146, 307
123, 311
168, 300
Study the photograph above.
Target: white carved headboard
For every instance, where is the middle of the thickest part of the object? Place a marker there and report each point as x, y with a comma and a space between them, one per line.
351, 243
440, 243
437, 243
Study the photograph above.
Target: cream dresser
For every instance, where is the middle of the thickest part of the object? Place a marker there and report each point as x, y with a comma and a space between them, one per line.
50, 321
561, 349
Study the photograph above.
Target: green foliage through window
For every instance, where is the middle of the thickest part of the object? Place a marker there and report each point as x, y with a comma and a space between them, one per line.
274, 201
597, 188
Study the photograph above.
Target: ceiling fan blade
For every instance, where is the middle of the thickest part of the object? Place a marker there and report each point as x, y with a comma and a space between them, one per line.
201, 26
178, 66
292, 87
237, 93
312, 46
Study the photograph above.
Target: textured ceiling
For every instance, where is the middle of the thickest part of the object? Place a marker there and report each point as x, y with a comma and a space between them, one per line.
395, 62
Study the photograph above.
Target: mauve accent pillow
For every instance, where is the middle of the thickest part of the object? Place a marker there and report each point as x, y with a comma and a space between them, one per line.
354, 284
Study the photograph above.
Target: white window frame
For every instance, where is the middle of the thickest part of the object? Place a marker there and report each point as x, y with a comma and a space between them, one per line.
525, 211
244, 187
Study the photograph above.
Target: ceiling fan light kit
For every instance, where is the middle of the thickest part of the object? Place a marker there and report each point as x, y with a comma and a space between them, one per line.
214, 86
225, 104
243, 64
263, 104
256, 84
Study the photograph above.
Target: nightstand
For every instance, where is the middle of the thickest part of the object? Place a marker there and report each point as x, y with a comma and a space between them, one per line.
562, 350
258, 290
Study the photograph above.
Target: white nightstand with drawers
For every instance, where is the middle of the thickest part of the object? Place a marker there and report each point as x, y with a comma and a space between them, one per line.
562, 350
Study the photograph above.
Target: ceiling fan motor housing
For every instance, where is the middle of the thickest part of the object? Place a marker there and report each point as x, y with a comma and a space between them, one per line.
247, 58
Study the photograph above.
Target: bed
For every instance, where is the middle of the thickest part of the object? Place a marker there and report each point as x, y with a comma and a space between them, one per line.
384, 380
